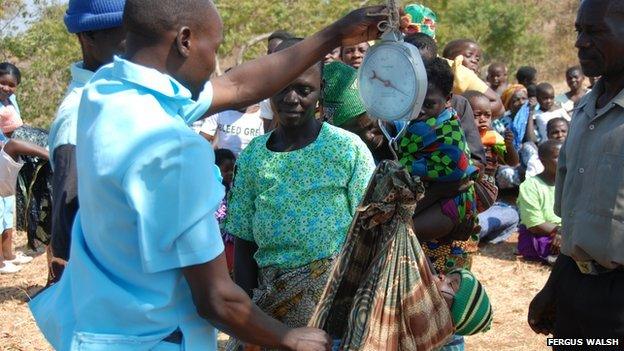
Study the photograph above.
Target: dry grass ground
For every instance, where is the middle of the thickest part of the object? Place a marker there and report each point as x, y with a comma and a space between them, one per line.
510, 282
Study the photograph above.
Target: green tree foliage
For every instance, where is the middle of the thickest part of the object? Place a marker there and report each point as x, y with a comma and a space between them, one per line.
44, 53
246, 21
504, 29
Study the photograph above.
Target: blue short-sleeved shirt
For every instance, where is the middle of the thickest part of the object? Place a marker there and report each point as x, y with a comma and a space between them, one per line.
63, 129
148, 194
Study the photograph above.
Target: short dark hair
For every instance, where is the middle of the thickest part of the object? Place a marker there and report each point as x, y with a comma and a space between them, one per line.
552, 122
526, 73
454, 47
424, 42
222, 155
280, 34
440, 75
11, 69
532, 90
543, 88
472, 94
573, 69
496, 65
546, 148
150, 18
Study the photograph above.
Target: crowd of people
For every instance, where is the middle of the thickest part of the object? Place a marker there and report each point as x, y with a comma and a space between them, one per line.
175, 201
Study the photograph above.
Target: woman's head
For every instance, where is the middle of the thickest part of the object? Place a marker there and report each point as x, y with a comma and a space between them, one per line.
514, 97
575, 78
10, 78
343, 107
296, 104
439, 90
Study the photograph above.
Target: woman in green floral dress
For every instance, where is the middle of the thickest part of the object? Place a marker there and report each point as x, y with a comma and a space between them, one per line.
294, 196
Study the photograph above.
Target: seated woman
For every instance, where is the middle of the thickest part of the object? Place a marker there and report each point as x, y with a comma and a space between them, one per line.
294, 196
519, 119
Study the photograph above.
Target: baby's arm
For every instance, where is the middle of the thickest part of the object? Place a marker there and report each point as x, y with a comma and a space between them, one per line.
511, 155
431, 223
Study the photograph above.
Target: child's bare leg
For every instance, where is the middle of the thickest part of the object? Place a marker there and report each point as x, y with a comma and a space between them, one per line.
7, 244
431, 224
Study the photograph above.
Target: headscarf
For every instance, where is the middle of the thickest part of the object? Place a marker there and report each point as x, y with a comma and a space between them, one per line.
10, 119
420, 19
341, 98
507, 96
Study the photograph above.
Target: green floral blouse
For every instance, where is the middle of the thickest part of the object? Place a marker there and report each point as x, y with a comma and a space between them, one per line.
297, 206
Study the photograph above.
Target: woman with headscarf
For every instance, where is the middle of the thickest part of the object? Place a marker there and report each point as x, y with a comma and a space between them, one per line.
518, 119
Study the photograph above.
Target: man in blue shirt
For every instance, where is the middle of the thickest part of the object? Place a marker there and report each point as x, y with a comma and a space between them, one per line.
147, 269
97, 24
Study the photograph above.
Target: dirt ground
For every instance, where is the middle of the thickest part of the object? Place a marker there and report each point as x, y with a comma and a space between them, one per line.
509, 281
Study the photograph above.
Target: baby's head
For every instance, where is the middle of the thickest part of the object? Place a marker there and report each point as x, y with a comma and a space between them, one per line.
468, 48
526, 76
546, 96
439, 89
225, 160
548, 153
497, 75
469, 304
481, 109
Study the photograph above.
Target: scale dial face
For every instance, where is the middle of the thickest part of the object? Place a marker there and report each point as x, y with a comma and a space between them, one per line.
392, 81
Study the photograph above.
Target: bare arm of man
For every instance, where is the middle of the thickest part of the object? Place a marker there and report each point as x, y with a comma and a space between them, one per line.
248, 83
226, 306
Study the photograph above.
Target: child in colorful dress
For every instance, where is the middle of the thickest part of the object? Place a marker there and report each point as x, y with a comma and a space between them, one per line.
434, 148
225, 160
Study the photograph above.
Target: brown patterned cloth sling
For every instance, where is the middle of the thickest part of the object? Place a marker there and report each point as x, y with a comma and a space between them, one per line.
381, 295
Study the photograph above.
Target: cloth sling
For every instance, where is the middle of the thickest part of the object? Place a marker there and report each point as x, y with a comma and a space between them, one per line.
381, 294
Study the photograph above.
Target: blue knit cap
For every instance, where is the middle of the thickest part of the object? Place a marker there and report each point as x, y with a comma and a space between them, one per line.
91, 15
